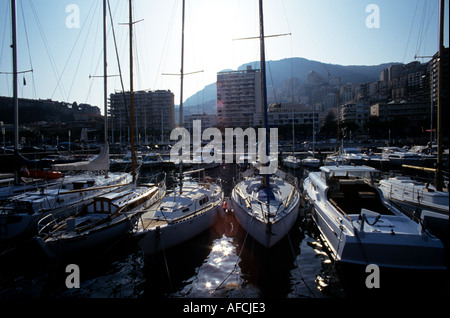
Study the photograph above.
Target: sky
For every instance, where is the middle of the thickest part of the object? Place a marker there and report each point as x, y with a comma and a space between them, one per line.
61, 40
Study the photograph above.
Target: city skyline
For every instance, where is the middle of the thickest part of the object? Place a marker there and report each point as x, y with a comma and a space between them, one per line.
62, 41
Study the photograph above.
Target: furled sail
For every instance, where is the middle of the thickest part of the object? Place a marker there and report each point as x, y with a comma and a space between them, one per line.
101, 162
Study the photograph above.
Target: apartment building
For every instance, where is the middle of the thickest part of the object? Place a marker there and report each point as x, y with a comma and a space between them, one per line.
239, 98
154, 114
285, 113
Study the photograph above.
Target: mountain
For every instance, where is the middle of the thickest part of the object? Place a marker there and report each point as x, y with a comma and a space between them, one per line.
280, 71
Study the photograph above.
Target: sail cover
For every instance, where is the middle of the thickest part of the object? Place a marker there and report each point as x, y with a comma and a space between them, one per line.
101, 162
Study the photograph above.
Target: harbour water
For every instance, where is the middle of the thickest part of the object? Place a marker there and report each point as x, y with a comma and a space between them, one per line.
223, 262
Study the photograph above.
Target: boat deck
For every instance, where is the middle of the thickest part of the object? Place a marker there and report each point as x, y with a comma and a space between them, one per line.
350, 197
147, 223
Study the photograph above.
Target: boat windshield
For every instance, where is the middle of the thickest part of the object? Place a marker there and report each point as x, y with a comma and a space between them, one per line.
369, 175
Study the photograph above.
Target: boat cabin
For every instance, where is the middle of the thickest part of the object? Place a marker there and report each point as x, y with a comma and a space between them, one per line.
351, 189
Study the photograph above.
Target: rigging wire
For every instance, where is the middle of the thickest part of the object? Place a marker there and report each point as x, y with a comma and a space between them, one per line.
118, 65
82, 50
3, 44
410, 31
47, 48
94, 49
29, 51
167, 40
72, 51
424, 25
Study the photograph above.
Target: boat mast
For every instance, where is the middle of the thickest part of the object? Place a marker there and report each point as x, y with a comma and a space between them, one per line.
264, 93
133, 156
439, 182
180, 121
15, 95
105, 74
182, 68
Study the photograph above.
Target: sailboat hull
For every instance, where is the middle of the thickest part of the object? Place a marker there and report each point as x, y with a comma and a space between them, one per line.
20, 215
266, 234
168, 235
74, 243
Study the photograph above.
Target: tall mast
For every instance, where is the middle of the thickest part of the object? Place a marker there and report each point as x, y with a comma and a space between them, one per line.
264, 92
15, 96
133, 156
182, 68
180, 124
105, 74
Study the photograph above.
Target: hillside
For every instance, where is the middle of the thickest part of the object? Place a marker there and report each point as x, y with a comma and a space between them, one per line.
282, 70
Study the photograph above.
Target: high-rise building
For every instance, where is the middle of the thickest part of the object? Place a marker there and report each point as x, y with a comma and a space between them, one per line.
434, 83
153, 111
239, 98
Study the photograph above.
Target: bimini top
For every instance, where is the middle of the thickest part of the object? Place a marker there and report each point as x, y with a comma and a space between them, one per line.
349, 171
347, 168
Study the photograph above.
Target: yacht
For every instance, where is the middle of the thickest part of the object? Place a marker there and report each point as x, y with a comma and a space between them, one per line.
361, 227
399, 156
414, 194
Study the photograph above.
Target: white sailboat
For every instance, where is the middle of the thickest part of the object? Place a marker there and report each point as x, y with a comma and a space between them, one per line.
292, 161
180, 216
267, 221
311, 161
265, 206
19, 214
109, 216
361, 227
189, 210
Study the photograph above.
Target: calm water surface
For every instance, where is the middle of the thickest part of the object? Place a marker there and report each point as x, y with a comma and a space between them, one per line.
223, 262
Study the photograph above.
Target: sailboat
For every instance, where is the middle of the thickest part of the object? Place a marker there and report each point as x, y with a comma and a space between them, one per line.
19, 214
292, 161
311, 160
192, 207
265, 206
109, 216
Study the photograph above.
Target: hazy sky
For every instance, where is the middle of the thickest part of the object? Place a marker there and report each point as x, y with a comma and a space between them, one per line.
61, 40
